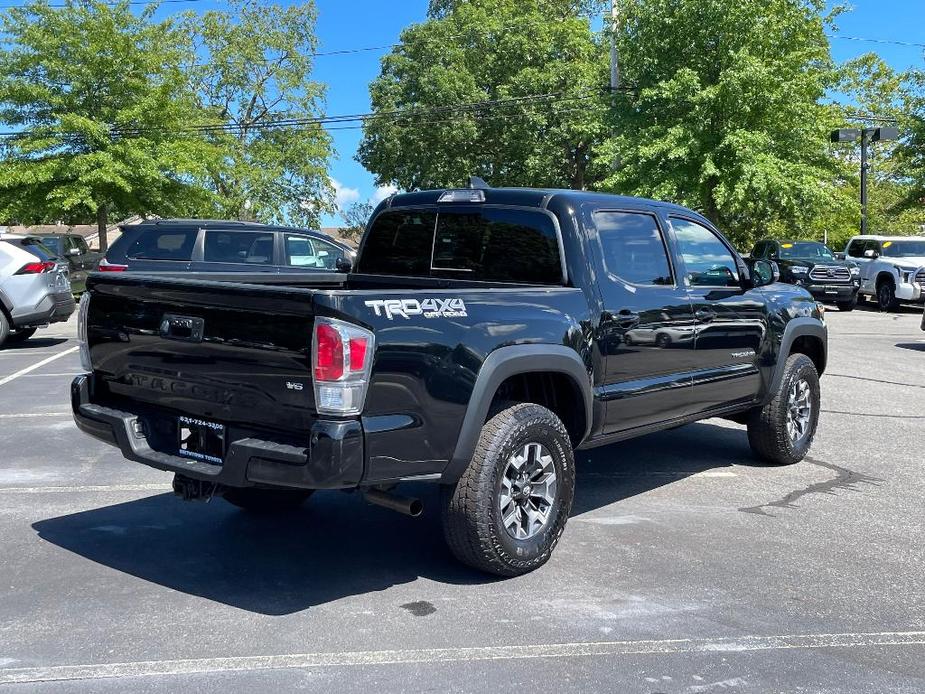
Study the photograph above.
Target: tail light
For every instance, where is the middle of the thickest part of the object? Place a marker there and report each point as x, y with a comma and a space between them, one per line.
83, 343
106, 266
342, 356
36, 268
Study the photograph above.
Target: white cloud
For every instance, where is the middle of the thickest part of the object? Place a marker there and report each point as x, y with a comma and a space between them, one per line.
343, 195
382, 192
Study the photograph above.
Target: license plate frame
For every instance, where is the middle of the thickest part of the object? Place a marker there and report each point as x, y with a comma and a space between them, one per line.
201, 440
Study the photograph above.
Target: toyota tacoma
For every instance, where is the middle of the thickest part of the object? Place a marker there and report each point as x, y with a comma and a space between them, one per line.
483, 336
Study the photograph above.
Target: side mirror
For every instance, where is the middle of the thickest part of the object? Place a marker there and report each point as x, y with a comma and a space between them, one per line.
839, 256
764, 272
344, 265
73, 251
871, 253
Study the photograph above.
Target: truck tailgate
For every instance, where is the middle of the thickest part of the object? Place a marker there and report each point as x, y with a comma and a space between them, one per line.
231, 353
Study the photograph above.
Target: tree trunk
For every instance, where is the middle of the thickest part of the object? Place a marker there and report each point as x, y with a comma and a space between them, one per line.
102, 222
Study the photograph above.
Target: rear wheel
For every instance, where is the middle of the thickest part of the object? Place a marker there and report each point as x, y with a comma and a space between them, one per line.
507, 512
782, 431
266, 501
886, 296
21, 336
4, 328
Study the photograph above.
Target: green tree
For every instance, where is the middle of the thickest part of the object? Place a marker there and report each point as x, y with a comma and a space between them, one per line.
512, 53
910, 154
355, 216
730, 115
95, 97
251, 67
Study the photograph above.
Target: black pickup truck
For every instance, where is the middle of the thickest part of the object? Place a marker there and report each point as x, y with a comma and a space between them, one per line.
483, 336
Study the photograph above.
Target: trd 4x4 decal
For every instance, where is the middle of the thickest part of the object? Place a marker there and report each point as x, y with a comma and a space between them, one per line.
428, 308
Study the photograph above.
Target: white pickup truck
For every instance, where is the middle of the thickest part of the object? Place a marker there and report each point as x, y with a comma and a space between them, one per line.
892, 268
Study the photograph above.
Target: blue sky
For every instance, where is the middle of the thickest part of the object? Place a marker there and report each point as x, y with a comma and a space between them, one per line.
350, 24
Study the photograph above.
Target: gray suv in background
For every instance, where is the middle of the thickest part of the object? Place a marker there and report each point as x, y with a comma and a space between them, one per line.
217, 247
35, 289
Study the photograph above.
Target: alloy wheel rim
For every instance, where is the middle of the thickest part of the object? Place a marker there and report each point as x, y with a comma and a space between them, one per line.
528, 491
799, 410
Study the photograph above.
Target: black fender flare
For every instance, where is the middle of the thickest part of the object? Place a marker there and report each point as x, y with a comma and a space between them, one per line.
796, 327
500, 365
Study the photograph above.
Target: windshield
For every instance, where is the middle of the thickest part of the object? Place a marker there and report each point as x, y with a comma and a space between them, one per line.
904, 249
805, 250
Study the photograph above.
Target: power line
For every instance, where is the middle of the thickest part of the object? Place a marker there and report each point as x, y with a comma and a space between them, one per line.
892, 42
111, 4
400, 114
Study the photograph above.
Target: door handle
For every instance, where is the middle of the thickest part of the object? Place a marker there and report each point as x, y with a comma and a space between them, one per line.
705, 315
627, 319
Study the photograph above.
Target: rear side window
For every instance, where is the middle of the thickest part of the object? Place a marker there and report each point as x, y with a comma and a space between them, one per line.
250, 248
488, 244
164, 244
633, 247
399, 243
35, 247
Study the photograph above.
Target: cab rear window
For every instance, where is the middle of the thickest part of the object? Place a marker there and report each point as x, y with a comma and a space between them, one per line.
164, 244
488, 244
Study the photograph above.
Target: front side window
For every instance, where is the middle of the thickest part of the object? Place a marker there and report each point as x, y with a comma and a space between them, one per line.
164, 244
633, 248
709, 262
305, 251
247, 247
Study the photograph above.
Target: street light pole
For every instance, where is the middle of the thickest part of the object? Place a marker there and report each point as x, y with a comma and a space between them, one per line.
614, 57
865, 139
866, 135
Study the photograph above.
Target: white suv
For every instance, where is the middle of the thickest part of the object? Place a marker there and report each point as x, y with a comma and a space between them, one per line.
892, 268
34, 288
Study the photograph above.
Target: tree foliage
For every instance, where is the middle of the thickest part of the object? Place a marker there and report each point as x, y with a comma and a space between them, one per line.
250, 67
729, 116
96, 99
507, 52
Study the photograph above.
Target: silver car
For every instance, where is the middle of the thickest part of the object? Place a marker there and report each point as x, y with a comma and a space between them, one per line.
34, 288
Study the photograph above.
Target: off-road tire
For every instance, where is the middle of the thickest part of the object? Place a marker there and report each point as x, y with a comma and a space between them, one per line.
886, 296
266, 501
767, 426
846, 306
4, 328
20, 336
471, 515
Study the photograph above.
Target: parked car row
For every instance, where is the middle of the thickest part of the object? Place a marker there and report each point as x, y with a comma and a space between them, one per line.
890, 270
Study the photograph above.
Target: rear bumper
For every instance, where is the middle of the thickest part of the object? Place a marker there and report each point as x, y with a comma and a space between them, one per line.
334, 459
55, 308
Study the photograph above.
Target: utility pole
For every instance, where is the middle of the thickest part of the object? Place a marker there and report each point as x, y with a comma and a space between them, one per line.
614, 58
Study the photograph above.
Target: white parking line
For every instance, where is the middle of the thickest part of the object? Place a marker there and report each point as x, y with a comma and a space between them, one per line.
736, 644
59, 375
28, 369
24, 415
88, 488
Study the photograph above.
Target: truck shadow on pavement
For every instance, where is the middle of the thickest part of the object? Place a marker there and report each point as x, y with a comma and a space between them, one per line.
35, 343
336, 545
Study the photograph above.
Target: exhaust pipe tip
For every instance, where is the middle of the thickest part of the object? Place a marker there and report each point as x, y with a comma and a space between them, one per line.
402, 504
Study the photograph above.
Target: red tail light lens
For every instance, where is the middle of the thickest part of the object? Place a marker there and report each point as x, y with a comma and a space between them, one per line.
36, 268
106, 266
342, 358
329, 353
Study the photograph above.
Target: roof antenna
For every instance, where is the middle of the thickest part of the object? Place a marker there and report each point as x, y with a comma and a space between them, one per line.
477, 183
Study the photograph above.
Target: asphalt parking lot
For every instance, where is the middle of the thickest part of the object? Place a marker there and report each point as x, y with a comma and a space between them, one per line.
686, 566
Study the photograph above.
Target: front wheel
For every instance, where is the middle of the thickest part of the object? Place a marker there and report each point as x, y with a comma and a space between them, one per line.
782, 431
266, 501
886, 297
848, 305
508, 510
